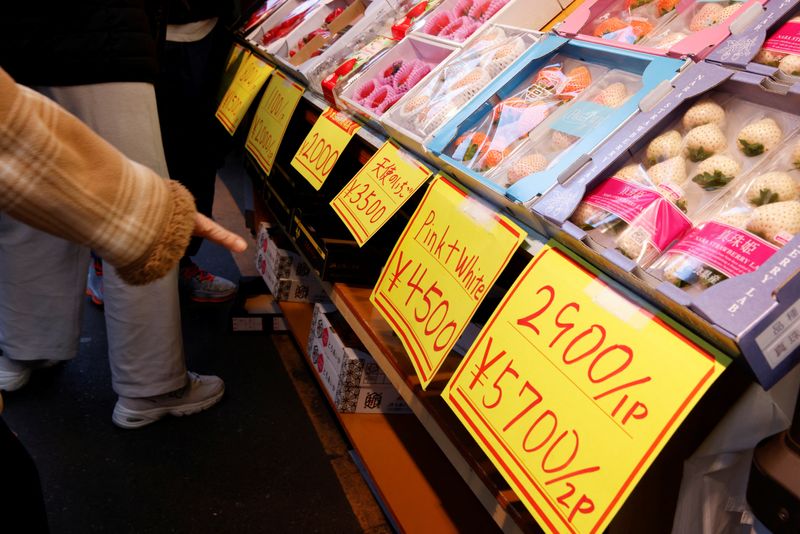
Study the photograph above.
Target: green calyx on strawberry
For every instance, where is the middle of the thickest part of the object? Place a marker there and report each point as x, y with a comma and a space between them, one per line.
712, 181
751, 149
765, 196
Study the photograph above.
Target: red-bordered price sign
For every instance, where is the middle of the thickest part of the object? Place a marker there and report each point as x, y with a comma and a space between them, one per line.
441, 269
323, 145
246, 83
271, 119
378, 190
572, 391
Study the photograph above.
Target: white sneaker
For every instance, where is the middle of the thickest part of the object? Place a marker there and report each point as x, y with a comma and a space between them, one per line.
200, 393
16, 373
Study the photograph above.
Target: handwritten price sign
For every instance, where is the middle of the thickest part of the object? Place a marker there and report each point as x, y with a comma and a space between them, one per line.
572, 391
247, 82
324, 144
272, 118
446, 260
378, 190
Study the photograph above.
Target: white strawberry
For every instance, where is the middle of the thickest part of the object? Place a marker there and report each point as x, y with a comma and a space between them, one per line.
704, 112
665, 146
561, 140
634, 242
707, 16
716, 172
736, 218
632, 173
588, 217
774, 221
728, 12
775, 186
673, 170
704, 141
790, 65
674, 193
768, 57
670, 40
759, 137
613, 96
526, 165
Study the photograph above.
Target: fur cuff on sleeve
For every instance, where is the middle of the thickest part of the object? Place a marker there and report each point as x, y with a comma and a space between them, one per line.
168, 250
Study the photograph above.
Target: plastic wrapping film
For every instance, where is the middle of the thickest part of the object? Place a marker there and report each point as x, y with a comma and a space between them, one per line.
737, 233
543, 116
714, 483
430, 105
281, 28
456, 20
672, 184
657, 23
782, 49
334, 75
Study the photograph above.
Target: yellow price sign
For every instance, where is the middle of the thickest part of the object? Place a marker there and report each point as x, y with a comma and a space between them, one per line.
441, 269
271, 119
572, 391
378, 190
323, 145
247, 82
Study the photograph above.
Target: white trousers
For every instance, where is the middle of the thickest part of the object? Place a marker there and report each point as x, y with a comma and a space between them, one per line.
43, 278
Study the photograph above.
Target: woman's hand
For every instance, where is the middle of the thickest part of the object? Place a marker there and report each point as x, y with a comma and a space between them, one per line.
208, 229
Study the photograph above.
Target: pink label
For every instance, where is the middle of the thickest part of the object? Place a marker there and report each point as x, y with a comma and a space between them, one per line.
626, 200
663, 222
786, 39
729, 250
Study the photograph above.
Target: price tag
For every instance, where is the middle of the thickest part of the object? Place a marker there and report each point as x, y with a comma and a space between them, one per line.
247, 82
441, 269
272, 118
324, 144
378, 190
572, 391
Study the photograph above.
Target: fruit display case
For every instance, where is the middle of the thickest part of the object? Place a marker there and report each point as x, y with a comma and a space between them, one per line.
271, 34
328, 32
676, 28
359, 49
744, 234
256, 16
457, 22
536, 123
383, 83
769, 47
426, 108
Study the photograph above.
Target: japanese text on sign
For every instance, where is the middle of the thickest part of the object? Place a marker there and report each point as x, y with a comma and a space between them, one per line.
444, 263
378, 190
322, 147
272, 118
572, 391
246, 84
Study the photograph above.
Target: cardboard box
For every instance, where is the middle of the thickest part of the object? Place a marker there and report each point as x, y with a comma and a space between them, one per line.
755, 315
648, 76
695, 45
351, 376
285, 273
739, 50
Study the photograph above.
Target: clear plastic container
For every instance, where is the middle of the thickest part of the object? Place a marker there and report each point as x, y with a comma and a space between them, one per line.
527, 131
782, 49
664, 189
431, 104
739, 231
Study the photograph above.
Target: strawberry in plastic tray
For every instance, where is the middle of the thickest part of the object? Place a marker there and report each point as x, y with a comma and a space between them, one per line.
740, 231
657, 23
664, 190
462, 20
292, 20
782, 49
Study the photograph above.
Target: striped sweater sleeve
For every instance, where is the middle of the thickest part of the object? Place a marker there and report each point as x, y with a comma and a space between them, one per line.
57, 175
